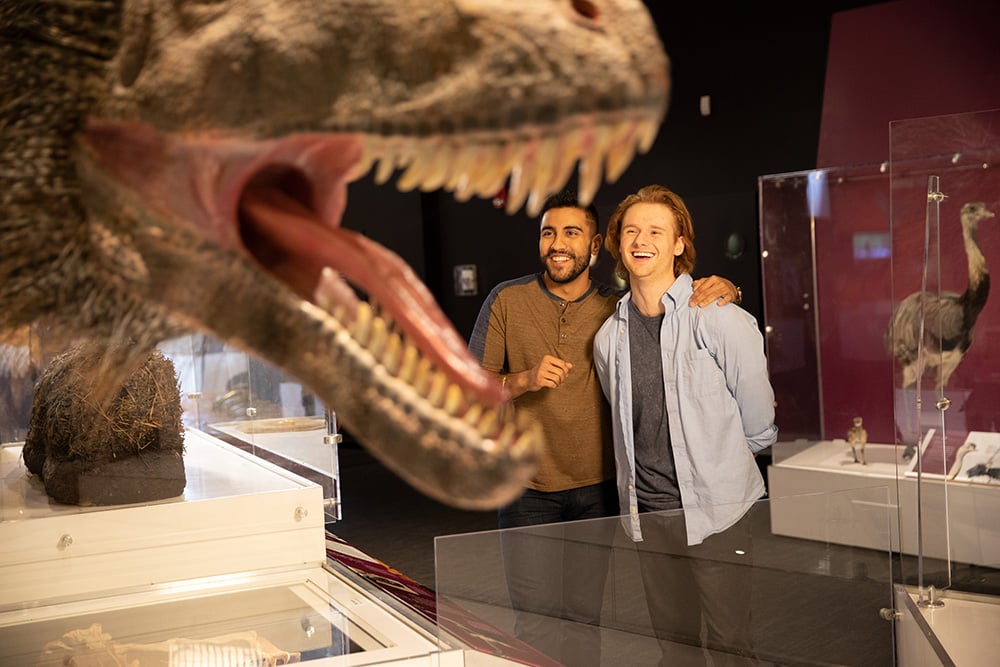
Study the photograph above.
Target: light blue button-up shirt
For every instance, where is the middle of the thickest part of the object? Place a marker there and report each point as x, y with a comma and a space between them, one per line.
720, 407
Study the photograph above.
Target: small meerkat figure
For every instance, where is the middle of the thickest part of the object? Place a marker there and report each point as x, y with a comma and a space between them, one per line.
857, 436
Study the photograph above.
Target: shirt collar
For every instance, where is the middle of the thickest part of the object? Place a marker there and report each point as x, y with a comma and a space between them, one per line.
541, 283
678, 294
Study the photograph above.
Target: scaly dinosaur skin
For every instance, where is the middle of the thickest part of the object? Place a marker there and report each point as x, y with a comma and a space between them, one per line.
171, 166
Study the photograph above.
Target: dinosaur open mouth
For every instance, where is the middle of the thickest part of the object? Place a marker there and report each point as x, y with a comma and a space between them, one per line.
313, 256
281, 202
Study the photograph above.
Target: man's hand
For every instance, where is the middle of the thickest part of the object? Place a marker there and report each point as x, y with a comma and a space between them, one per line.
714, 289
547, 373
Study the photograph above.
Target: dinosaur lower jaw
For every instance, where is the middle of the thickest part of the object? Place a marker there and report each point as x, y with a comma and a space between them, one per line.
315, 258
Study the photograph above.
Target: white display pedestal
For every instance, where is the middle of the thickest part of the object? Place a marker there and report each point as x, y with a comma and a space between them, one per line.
959, 518
240, 556
962, 631
237, 513
235, 565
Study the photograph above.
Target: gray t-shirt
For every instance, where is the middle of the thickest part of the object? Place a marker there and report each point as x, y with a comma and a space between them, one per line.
655, 477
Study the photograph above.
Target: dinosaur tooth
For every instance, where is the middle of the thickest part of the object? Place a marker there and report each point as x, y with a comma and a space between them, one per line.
621, 150
489, 177
473, 414
415, 173
369, 154
591, 159
362, 323
408, 364
517, 190
422, 376
487, 423
436, 392
379, 337
648, 130
439, 168
386, 167
393, 354
465, 158
507, 435
566, 157
453, 400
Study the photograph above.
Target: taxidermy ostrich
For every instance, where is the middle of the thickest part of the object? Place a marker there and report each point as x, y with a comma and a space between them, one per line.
948, 317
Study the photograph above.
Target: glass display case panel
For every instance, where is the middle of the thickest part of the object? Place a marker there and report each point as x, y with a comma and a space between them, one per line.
810, 601
826, 253
255, 406
224, 391
945, 192
961, 631
260, 618
843, 249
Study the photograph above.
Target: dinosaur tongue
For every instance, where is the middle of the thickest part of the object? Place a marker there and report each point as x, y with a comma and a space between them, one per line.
300, 247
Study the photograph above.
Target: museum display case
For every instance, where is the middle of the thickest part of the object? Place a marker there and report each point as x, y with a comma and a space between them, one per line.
877, 307
259, 408
811, 601
238, 569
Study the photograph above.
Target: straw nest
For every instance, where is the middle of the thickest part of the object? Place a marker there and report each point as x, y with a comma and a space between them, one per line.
70, 423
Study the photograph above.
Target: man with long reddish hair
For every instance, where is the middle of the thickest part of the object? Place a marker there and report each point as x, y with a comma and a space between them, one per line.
691, 405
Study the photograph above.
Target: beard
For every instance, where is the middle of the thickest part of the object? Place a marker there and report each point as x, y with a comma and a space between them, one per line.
566, 272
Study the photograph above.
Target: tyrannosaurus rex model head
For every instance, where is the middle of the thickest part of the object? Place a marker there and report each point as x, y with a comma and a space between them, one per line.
169, 166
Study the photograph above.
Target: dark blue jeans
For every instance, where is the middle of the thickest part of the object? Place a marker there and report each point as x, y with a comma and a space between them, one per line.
556, 564
698, 595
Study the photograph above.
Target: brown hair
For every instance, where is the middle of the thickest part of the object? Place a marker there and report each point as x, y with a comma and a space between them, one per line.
653, 194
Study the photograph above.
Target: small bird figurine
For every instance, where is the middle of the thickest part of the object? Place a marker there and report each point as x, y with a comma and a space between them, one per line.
857, 436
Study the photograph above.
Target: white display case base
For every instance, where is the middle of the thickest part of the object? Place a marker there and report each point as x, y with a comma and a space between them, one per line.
961, 631
959, 518
237, 514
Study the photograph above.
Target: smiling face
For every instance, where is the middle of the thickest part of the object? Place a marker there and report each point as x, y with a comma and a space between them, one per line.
648, 242
566, 242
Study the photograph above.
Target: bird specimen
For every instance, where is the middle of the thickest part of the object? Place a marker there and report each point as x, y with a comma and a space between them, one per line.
948, 318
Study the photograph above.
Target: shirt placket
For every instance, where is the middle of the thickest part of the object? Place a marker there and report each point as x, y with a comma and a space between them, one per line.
669, 355
625, 406
562, 331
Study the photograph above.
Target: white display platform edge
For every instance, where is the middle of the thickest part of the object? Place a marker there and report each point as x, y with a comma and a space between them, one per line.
961, 632
267, 518
826, 466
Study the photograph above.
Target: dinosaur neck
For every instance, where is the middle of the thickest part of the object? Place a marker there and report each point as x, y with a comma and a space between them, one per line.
55, 50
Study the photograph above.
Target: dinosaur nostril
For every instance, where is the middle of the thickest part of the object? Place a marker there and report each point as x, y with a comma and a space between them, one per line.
586, 9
